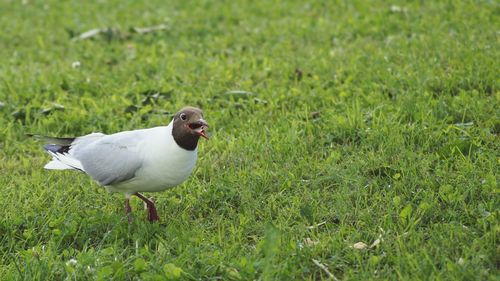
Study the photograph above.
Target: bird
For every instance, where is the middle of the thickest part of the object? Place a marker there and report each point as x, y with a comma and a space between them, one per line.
132, 162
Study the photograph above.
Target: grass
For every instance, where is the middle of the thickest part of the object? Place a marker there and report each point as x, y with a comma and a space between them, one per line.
333, 122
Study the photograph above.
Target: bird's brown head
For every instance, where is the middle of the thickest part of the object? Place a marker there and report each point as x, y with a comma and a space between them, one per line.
188, 127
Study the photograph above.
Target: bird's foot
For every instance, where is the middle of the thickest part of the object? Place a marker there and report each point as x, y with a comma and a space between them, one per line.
150, 206
152, 214
128, 211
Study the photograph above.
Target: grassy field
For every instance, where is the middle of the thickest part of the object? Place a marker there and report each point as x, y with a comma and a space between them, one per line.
333, 123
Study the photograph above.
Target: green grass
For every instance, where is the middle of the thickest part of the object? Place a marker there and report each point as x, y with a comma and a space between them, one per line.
373, 119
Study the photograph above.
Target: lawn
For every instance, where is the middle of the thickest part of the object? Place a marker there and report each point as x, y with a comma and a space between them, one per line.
351, 140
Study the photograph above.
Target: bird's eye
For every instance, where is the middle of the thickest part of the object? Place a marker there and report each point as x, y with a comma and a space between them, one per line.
183, 116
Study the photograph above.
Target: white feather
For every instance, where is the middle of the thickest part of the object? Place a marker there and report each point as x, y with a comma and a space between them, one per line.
57, 165
64, 160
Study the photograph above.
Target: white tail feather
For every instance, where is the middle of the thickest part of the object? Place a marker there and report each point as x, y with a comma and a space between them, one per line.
57, 165
62, 162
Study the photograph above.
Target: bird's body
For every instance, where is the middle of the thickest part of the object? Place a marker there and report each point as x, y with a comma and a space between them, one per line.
165, 164
146, 160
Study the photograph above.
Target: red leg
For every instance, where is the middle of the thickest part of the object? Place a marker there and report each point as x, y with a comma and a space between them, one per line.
152, 214
128, 210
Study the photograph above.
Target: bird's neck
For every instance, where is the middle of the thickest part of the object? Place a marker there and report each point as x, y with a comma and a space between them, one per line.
184, 138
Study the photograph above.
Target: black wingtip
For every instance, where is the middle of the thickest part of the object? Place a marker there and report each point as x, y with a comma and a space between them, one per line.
53, 140
55, 148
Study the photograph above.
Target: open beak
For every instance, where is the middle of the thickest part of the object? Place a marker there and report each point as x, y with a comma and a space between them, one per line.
200, 128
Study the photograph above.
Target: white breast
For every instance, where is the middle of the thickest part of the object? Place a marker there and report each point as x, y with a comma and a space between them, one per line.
165, 164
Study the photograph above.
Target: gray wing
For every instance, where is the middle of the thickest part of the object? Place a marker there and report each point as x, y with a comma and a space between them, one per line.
111, 159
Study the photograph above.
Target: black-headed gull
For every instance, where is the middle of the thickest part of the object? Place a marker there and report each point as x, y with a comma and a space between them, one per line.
147, 160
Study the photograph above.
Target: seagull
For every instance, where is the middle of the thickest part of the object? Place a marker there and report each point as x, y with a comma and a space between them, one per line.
130, 162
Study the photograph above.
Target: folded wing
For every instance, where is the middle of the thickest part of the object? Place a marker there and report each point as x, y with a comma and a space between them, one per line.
108, 159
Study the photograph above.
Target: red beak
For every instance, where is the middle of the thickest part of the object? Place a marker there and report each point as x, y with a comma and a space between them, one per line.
200, 127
